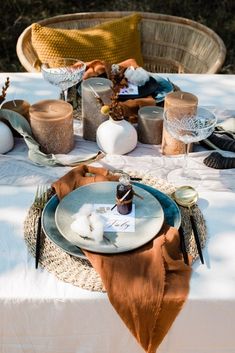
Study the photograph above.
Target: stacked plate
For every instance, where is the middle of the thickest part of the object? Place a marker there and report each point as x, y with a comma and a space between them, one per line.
150, 213
157, 86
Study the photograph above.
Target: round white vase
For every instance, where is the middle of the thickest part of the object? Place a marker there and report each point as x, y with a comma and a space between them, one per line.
116, 136
6, 138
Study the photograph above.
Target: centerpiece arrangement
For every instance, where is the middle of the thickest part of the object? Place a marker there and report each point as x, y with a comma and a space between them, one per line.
115, 135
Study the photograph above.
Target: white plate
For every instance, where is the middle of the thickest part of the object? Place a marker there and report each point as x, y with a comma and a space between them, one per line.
149, 217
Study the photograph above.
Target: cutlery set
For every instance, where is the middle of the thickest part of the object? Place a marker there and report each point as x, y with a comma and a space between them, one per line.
187, 196
40, 201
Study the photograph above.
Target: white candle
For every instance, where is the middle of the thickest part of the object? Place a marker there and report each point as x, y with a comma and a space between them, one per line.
150, 122
91, 114
52, 125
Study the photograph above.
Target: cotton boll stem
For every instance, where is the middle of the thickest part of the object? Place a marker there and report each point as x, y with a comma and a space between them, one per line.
137, 76
97, 226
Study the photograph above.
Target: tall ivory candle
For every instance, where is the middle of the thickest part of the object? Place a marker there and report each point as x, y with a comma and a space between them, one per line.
52, 125
178, 104
91, 114
150, 121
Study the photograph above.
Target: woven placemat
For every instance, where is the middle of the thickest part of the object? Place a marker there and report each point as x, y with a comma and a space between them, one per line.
79, 272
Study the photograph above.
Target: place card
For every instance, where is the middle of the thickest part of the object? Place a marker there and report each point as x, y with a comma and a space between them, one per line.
131, 89
114, 221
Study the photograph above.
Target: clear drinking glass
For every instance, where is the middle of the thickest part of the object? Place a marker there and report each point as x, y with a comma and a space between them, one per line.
63, 72
188, 129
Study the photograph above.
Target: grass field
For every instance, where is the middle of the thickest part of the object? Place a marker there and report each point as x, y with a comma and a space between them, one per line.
18, 14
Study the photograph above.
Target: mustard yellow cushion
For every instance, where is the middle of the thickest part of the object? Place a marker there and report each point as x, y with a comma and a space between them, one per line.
112, 41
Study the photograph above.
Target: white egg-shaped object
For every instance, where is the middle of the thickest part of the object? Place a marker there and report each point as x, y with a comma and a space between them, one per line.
116, 137
6, 138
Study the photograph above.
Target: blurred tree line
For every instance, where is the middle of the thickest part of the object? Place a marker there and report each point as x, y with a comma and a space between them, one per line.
16, 15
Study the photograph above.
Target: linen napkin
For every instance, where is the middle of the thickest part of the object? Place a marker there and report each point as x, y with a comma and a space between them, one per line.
130, 106
147, 286
80, 176
21, 125
99, 67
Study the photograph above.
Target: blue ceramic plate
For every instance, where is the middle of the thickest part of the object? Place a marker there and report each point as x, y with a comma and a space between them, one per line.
170, 209
164, 87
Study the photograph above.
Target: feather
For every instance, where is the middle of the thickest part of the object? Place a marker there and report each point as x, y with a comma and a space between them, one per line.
217, 161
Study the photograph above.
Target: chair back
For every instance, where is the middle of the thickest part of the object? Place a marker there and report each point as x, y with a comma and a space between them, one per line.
169, 44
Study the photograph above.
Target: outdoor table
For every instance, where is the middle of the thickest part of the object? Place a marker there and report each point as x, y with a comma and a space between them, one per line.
39, 313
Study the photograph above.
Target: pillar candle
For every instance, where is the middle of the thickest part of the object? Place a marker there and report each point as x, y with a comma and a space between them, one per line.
150, 122
20, 106
91, 114
179, 104
52, 125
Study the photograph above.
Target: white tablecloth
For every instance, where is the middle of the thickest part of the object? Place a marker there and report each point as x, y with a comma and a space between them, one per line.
41, 314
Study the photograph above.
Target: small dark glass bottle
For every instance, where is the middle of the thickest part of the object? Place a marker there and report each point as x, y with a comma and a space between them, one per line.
124, 206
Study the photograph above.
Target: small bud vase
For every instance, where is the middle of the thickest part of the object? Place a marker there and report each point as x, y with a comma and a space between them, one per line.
116, 136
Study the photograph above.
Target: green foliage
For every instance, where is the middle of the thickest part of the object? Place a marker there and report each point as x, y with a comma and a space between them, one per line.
18, 14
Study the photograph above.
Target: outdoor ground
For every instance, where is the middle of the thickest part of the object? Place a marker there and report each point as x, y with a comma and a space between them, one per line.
16, 15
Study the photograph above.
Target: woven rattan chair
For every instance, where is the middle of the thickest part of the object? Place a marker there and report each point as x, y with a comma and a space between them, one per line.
169, 43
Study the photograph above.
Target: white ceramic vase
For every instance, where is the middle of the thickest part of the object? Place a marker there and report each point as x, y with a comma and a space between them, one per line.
116, 137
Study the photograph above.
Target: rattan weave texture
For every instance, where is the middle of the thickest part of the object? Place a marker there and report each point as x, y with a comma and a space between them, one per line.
169, 44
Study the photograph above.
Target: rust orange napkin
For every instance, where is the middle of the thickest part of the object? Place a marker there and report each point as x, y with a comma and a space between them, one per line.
79, 176
99, 67
147, 286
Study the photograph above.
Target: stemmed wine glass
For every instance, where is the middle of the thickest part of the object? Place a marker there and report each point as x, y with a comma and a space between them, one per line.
63, 72
188, 129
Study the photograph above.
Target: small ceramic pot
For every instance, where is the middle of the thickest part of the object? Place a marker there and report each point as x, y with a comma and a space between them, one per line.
116, 137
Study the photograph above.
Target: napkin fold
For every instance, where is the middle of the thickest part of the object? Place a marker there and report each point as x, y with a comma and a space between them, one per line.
130, 106
99, 67
80, 176
147, 286
21, 125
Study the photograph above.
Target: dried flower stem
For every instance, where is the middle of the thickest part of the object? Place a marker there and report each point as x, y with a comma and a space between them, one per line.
115, 111
4, 90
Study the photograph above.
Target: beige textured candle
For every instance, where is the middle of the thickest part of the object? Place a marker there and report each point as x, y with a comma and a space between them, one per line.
52, 125
20, 106
91, 114
178, 104
150, 121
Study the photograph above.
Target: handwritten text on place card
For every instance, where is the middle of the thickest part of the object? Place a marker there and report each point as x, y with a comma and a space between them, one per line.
114, 221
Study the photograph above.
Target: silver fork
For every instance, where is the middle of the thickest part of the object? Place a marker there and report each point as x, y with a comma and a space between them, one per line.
39, 202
